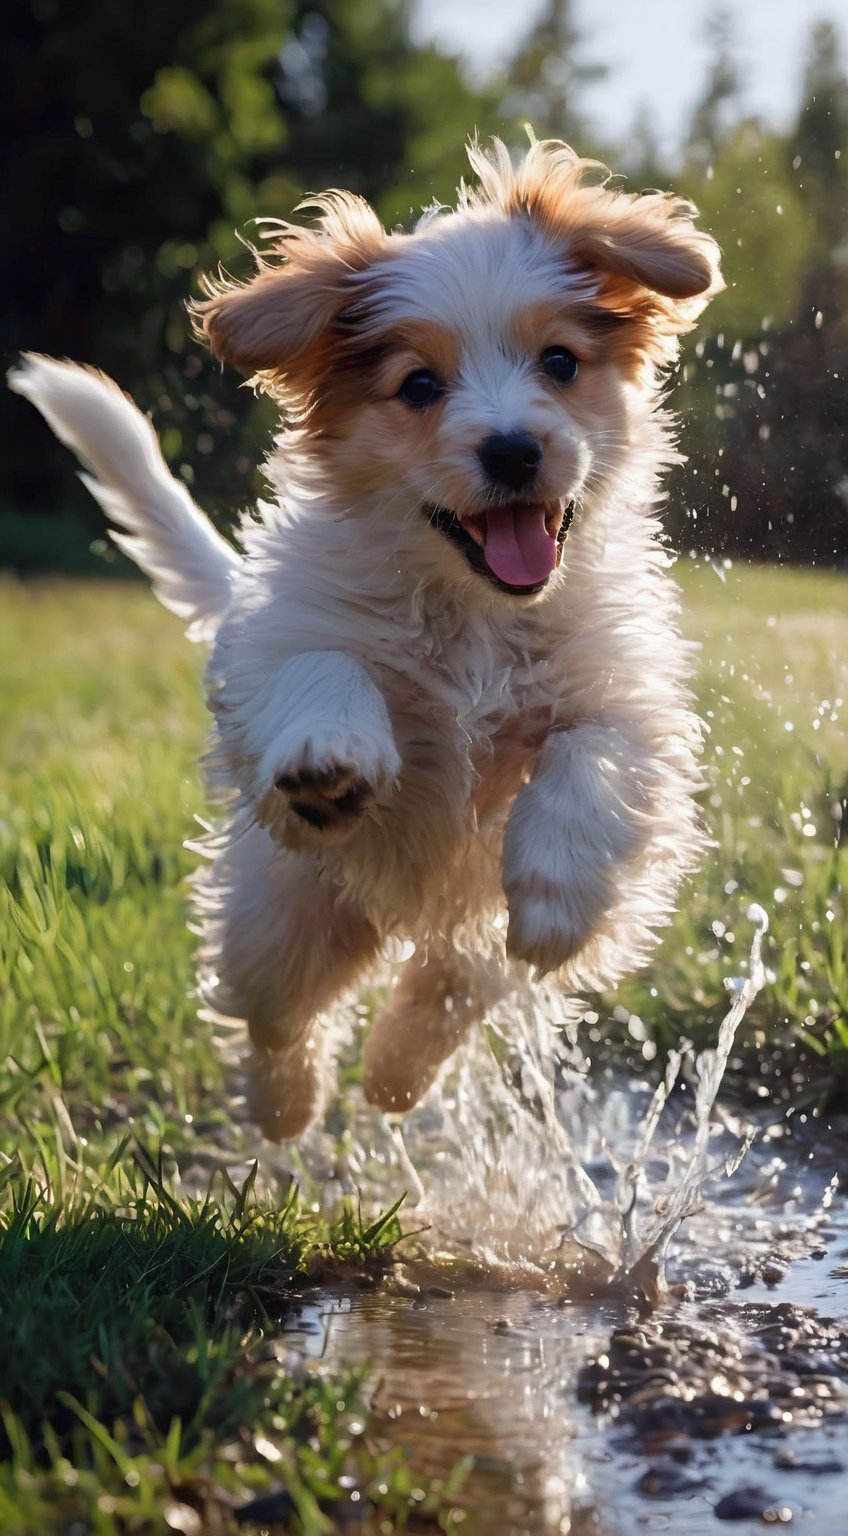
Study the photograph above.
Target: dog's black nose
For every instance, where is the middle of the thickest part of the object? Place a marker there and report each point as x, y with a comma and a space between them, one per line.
512, 459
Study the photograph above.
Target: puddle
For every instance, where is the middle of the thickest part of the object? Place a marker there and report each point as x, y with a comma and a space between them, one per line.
623, 1310
595, 1415
485, 1375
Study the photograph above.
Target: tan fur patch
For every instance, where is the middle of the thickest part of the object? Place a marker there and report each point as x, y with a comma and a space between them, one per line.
555, 323
654, 267
416, 344
274, 327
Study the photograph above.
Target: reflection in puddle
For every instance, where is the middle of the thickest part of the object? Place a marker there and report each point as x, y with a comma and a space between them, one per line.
485, 1375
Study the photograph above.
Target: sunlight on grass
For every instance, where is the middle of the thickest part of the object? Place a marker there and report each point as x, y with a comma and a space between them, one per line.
144, 1387
772, 687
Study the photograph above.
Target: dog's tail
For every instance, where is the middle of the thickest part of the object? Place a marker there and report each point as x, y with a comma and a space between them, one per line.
192, 568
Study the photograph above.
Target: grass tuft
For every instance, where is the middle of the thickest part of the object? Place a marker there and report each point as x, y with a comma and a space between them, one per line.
141, 1349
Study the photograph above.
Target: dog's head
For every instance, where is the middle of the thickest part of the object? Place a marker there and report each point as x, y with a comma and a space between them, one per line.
474, 381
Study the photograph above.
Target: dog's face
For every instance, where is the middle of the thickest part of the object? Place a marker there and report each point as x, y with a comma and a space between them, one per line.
481, 403
469, 384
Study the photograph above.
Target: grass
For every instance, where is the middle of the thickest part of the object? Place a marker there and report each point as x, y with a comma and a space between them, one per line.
140, 1389
773, 689
139, 1374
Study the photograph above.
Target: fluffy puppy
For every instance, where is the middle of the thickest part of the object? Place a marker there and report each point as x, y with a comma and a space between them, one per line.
446, 675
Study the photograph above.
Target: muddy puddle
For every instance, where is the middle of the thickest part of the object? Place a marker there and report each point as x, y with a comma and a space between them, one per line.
622, 1307
722, 1406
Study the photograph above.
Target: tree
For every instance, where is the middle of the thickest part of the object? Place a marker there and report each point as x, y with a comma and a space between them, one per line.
142, 148
820, 140
769, 469
138, 148
547, 77
641, 157
751, 202
717, 106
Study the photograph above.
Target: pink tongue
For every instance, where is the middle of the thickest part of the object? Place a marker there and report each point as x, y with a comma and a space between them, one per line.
518, 548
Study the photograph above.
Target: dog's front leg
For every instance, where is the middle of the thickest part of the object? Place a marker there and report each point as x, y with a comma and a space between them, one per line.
322, 747
585, 815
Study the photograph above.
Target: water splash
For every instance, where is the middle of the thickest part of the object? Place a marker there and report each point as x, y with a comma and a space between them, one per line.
521, 1168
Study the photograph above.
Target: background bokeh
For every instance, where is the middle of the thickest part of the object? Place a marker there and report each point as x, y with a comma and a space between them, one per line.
143, 146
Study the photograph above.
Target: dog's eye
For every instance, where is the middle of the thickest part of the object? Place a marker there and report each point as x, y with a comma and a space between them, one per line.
560, 365
420, 389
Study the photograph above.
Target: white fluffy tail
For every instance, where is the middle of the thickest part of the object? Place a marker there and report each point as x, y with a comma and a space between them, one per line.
191, 566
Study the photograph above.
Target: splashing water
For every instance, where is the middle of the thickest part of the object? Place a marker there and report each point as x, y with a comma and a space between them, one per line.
520, 1169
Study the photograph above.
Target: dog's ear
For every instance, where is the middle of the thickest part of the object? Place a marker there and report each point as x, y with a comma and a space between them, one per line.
651, 241
643, 257
273, 325
653, 272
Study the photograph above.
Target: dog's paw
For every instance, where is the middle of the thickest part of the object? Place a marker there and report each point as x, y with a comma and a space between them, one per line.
329, 799
543, 932
560, 885
327, 790
552, 921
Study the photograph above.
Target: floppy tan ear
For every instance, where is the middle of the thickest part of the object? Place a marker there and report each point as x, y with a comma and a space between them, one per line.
653, 273
650, 240
272, 325
643, 256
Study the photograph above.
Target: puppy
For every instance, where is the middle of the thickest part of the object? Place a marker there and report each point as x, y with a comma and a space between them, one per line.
446, 675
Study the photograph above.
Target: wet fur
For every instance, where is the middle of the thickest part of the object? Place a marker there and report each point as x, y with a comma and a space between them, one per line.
405, 750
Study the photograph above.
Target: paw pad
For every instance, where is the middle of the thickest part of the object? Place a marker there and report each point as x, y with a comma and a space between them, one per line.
325, 797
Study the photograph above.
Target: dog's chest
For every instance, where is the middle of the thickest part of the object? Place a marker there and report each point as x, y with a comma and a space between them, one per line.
492, 699
500, 681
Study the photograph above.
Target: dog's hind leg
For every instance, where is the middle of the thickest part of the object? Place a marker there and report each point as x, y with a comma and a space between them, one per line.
284, 946
438, 997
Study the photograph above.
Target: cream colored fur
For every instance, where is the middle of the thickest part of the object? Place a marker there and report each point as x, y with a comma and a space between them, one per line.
502, 781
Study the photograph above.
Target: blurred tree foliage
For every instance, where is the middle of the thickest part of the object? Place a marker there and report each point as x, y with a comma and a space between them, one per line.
548, 75
717, 106
143, 143
764, 401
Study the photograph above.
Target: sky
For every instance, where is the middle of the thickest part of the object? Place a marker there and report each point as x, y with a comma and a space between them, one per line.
654, 49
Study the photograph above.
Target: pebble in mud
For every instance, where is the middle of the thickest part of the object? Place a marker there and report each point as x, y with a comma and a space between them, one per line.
761, 1369
770, 1271
819, 1466
662, 1481
751, 1503
778, 1366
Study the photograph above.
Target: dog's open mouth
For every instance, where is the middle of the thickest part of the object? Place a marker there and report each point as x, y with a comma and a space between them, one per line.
517, 547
